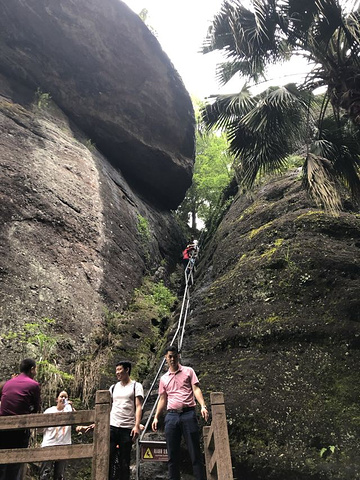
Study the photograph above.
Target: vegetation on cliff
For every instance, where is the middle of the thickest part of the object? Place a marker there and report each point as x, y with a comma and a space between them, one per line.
264, 129
275, 325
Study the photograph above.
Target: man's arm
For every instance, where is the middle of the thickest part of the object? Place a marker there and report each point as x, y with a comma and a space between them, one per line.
160, 407
199, 397
138, 413
37, 399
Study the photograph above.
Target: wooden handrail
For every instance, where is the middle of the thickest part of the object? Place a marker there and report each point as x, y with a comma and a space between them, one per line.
39, 420
216, 442
98, 450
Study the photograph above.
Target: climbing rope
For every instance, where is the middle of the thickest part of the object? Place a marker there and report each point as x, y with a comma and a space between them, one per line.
179, 337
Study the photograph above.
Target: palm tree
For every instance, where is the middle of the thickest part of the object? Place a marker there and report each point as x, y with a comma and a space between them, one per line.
264, 129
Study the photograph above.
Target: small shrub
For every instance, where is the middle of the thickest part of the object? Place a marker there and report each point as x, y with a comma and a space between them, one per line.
153, 297
90, 145
163, 299
38, 341
42, 99
143, 227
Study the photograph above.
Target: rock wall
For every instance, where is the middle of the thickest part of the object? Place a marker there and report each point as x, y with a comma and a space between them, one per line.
275, 326
96, 147
108, 73
72, 246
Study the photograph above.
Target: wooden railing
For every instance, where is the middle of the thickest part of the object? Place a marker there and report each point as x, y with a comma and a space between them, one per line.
216, 442
98, 450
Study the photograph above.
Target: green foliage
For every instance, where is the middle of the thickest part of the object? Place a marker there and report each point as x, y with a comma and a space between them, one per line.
155, 297
37, 340
220, 209
326, 451
144, 15
90, 145
163, 299
212, 173
112, 321
139, 331
143, 228
42, 99
264, 129
294, 161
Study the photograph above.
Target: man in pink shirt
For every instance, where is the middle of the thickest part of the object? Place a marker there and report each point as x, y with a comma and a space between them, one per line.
20, 395
178, 389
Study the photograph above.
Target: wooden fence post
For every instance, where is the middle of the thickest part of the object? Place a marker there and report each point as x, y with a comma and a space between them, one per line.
207, 452
100, 463
216, 442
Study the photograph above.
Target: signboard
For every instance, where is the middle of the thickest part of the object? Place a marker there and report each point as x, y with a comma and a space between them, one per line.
154, 451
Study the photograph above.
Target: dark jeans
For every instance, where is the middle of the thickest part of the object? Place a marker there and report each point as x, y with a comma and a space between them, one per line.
120, 451
59, 470
186, 425
13, 439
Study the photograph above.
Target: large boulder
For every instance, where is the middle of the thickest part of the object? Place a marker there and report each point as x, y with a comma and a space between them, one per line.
108, 73
75, 239
275, 325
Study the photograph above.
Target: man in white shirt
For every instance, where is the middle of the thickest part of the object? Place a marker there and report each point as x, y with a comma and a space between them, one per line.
127, 396
54, 436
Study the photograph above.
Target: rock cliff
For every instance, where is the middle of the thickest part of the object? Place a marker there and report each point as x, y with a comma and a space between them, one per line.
275, 326
96, 146
108, 73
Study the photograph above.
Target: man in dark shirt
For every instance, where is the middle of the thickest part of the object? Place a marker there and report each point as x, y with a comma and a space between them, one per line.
19, 396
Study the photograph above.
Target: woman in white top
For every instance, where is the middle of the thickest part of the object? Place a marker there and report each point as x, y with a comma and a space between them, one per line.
54, 436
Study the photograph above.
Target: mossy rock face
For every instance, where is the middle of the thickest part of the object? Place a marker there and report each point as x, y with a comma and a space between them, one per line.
276, 327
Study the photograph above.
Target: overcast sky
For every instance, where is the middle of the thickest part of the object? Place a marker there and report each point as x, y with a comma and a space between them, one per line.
181, 27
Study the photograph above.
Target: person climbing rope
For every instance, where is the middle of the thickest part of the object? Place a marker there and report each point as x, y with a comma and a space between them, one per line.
187, 254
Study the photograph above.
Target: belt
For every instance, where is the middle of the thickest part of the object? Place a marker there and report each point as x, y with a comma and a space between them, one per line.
180, 410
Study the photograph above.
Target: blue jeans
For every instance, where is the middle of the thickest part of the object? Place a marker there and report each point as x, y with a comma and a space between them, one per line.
186, 425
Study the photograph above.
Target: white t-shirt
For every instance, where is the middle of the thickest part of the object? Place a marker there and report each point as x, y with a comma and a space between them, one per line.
57, 435
123, 407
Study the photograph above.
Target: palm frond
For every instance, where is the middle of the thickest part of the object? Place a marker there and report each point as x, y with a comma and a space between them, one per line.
262, 138
227, 70
226, 109
264, 129
319, 179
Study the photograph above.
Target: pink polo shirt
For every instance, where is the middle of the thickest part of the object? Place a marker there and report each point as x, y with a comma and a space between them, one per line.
178, 387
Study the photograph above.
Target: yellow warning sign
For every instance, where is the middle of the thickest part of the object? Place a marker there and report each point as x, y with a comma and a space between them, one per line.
153, 451
148, 453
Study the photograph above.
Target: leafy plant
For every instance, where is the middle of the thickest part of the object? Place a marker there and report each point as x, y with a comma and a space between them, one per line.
326, 451
143, 227
153, 296
212, 173
265, 128
90, 145
163, 299
37, 340
42, 99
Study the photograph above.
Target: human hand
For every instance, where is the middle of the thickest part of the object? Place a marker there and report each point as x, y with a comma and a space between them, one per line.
80, 429
135, 432
204, 413
154, 424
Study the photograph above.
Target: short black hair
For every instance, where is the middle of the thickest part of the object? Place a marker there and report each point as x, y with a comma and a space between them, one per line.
60, 391
27, 364
172, 348
125, 364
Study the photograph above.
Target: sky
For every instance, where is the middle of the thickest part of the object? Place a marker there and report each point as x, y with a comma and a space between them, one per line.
181, 28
